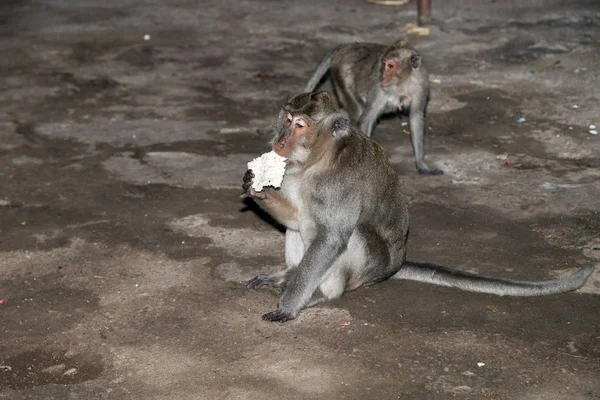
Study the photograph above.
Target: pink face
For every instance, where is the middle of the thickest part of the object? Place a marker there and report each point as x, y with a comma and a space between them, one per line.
389, 70
297, 129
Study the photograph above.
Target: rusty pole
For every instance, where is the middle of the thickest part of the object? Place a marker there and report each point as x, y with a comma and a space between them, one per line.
424, 12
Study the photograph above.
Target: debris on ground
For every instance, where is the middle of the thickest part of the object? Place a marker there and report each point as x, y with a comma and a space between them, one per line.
412, 29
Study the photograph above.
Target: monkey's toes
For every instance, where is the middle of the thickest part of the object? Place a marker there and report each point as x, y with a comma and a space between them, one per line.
259, 281
278, 316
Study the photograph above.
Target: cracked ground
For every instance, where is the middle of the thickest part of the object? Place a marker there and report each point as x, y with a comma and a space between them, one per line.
125, 129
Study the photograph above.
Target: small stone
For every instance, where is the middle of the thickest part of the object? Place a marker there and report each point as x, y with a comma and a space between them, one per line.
146, 37
54, 369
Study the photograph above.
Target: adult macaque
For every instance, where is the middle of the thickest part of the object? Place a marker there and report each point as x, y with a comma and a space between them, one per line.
346, 218
370, 80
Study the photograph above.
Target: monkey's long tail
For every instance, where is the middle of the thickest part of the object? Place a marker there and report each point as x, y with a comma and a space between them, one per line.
444, 276
320, 72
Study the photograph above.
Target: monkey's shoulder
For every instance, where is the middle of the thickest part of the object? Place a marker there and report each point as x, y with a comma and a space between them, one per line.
358, 53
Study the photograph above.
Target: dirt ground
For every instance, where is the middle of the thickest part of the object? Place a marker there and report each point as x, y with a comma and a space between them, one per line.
124, 247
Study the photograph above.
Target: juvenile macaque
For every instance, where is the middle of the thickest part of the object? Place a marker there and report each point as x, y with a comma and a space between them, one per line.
346, 218
370, 80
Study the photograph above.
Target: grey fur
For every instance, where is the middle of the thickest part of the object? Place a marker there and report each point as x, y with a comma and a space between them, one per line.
347, 221
443, 276
355, 71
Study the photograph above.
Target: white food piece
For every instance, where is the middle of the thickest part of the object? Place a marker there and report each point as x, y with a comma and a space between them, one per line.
146, 37
268, 170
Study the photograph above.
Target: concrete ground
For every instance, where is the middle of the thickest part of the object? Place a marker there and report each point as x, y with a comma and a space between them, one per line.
124, 246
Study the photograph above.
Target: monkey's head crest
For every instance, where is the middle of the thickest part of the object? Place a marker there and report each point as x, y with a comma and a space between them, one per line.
316, 106
400, 43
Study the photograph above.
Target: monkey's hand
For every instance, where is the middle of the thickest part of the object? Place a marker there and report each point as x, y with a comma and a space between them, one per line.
278, 316
272, 201
247, 187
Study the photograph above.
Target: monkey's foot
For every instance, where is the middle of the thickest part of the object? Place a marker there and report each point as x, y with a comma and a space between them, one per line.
262, 280
428, 171
278, 316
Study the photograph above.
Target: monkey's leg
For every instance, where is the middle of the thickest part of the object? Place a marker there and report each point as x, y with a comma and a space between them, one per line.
346, 99
273, 281
294, 250
332, 287
375, 106
365, 262
417, 123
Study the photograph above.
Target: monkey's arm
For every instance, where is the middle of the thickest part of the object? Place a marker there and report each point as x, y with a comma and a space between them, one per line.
417, 127
303, 281
272, 201
374, 106
332, 232
280, 208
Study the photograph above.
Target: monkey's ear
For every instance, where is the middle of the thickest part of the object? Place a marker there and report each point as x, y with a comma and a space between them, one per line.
415, 60
341, 126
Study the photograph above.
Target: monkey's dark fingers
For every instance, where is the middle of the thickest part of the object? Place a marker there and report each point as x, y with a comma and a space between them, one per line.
259, 281
278, 316
248, 176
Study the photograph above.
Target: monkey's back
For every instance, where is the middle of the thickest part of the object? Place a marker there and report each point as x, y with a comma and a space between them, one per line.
358, 65
388, 216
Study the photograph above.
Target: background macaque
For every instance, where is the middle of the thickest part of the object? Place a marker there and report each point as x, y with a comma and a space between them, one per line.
370, 80
346, 218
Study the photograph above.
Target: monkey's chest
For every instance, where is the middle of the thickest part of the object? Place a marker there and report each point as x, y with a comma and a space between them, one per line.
292, 190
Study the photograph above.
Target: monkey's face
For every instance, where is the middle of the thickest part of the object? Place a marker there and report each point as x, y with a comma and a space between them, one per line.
294, 138
389, 70
397, 65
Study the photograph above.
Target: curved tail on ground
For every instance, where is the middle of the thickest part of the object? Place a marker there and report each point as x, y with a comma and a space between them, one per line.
444, 276
319, 72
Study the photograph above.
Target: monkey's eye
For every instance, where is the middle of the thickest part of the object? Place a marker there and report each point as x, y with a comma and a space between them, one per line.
389, 65
288, 119
299, 123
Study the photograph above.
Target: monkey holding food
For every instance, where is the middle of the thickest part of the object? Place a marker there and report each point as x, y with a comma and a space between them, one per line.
346, 218
371, 79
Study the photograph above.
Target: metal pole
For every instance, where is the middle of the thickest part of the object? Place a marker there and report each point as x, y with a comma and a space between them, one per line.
424, 12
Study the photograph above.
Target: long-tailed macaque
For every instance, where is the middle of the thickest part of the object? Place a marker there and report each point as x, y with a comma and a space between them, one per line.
370, 80
346, 218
